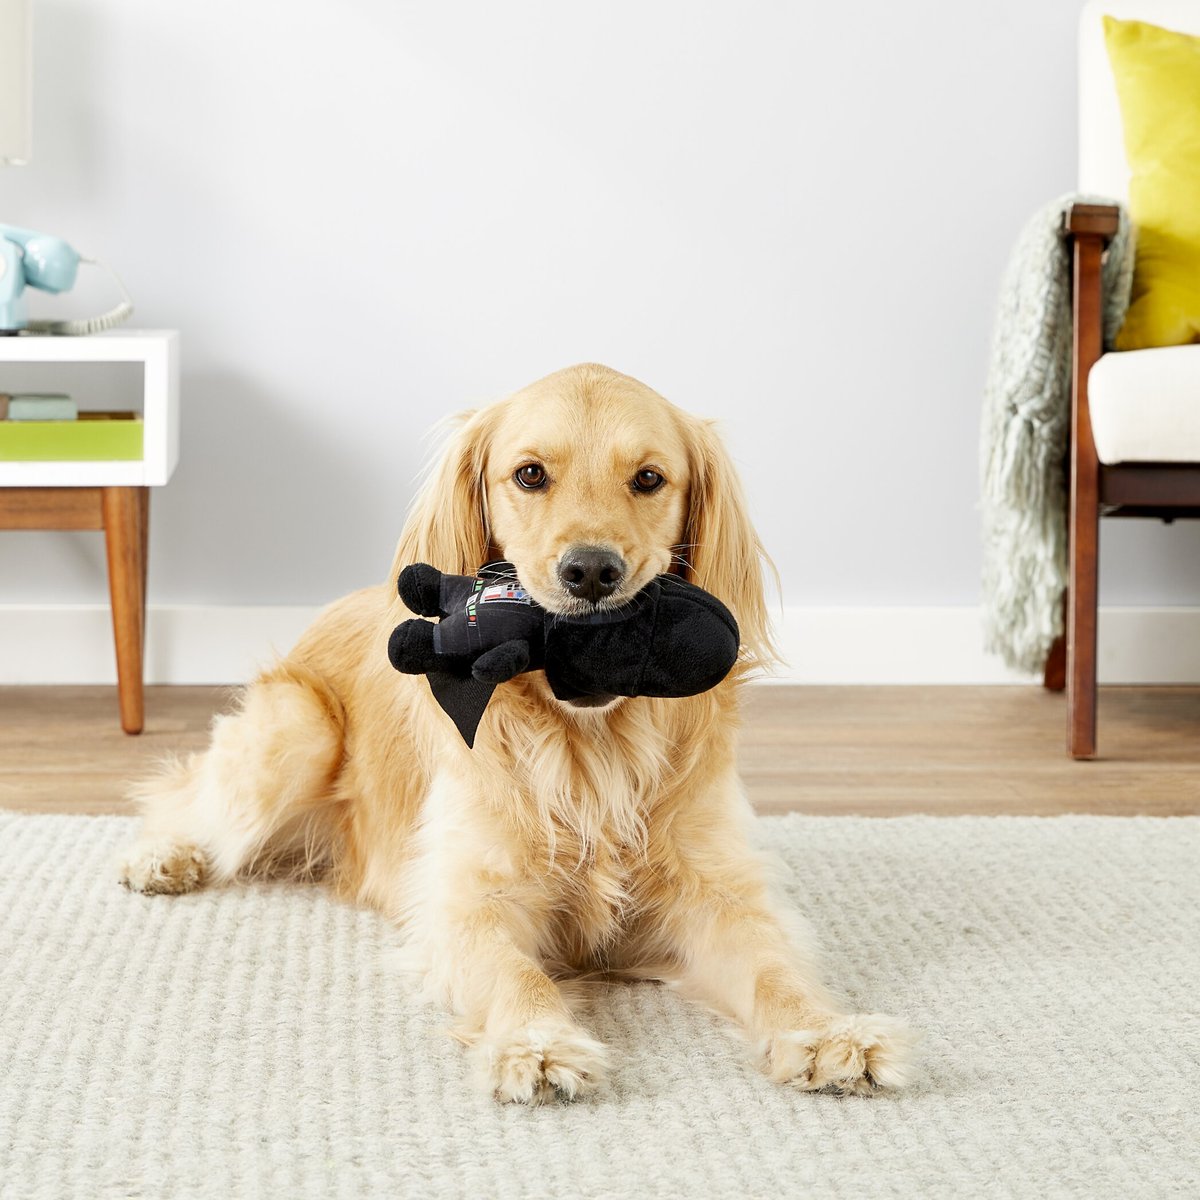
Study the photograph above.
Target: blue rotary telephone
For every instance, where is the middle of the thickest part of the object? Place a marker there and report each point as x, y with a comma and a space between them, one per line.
41, 261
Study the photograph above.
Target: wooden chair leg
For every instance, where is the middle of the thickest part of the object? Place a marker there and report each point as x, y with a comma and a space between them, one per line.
1054, 675
1085, 485
1081, 625
124, 535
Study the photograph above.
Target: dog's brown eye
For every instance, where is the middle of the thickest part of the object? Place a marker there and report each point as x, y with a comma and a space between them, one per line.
531, 476
647, 481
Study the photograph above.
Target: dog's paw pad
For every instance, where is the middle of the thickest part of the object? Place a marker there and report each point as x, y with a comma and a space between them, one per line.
163, 868
852, 1055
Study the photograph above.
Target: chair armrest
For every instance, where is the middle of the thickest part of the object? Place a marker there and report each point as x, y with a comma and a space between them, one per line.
1091, 220
1088, 228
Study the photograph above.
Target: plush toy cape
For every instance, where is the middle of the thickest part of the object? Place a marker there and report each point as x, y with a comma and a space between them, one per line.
671, 639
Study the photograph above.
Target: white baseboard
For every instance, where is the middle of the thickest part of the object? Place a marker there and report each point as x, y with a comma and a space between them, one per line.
69, 643
202, 644
945, 645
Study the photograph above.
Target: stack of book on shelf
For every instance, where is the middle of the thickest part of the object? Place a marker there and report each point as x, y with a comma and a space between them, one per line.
48, 427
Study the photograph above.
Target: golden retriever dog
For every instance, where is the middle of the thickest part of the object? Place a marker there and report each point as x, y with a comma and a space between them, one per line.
608, 839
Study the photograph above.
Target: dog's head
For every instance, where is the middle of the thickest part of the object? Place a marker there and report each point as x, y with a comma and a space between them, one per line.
591, 484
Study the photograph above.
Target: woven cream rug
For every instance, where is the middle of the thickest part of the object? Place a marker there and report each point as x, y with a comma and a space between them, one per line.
251, 1042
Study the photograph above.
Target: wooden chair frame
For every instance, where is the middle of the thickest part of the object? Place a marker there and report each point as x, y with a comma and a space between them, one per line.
1163, 490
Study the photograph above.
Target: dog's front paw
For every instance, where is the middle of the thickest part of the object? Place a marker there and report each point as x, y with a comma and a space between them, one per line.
163, 868
540, 1062
848, 1055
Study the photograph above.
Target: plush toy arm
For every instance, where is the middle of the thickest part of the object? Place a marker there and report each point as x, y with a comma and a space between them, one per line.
500, 663
410, 648
420, 588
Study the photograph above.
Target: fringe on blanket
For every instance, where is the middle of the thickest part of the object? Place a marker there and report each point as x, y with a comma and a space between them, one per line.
1026, 420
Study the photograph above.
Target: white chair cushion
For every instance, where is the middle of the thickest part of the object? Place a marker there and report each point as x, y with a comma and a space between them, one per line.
1145, 405
1103, 170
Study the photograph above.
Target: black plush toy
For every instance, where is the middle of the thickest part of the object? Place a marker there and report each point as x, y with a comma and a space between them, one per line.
671, 639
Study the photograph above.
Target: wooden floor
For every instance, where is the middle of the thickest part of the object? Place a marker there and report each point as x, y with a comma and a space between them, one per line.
878, 751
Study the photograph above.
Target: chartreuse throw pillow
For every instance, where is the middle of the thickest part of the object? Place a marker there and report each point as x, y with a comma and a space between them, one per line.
1157, 73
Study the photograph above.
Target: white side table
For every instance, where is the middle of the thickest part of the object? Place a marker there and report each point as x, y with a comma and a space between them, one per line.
112, 496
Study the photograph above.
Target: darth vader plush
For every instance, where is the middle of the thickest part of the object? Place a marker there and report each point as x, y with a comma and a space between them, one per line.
671, 639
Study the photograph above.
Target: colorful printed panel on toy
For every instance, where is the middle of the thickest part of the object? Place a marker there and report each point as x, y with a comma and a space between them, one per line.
505, 593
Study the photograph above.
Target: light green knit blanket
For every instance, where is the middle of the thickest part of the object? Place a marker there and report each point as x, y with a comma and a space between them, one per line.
1026, 420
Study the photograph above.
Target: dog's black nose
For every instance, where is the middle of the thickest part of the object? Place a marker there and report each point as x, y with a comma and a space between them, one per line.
591, 573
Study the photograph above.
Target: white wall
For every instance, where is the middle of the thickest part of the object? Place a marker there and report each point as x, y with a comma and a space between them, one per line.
366, 214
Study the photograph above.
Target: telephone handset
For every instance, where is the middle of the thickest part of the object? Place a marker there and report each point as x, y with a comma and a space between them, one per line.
42, 261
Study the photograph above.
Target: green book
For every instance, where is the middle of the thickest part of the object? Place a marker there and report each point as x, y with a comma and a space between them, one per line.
41, 406
95, 437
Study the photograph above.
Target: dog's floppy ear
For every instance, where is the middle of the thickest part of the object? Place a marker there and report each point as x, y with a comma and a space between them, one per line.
447, 525
721, 547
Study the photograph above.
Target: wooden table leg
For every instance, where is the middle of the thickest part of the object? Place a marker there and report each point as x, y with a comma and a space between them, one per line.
144, 517
124, 535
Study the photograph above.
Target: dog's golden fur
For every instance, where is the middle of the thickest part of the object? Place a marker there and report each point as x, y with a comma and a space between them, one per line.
569, 840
